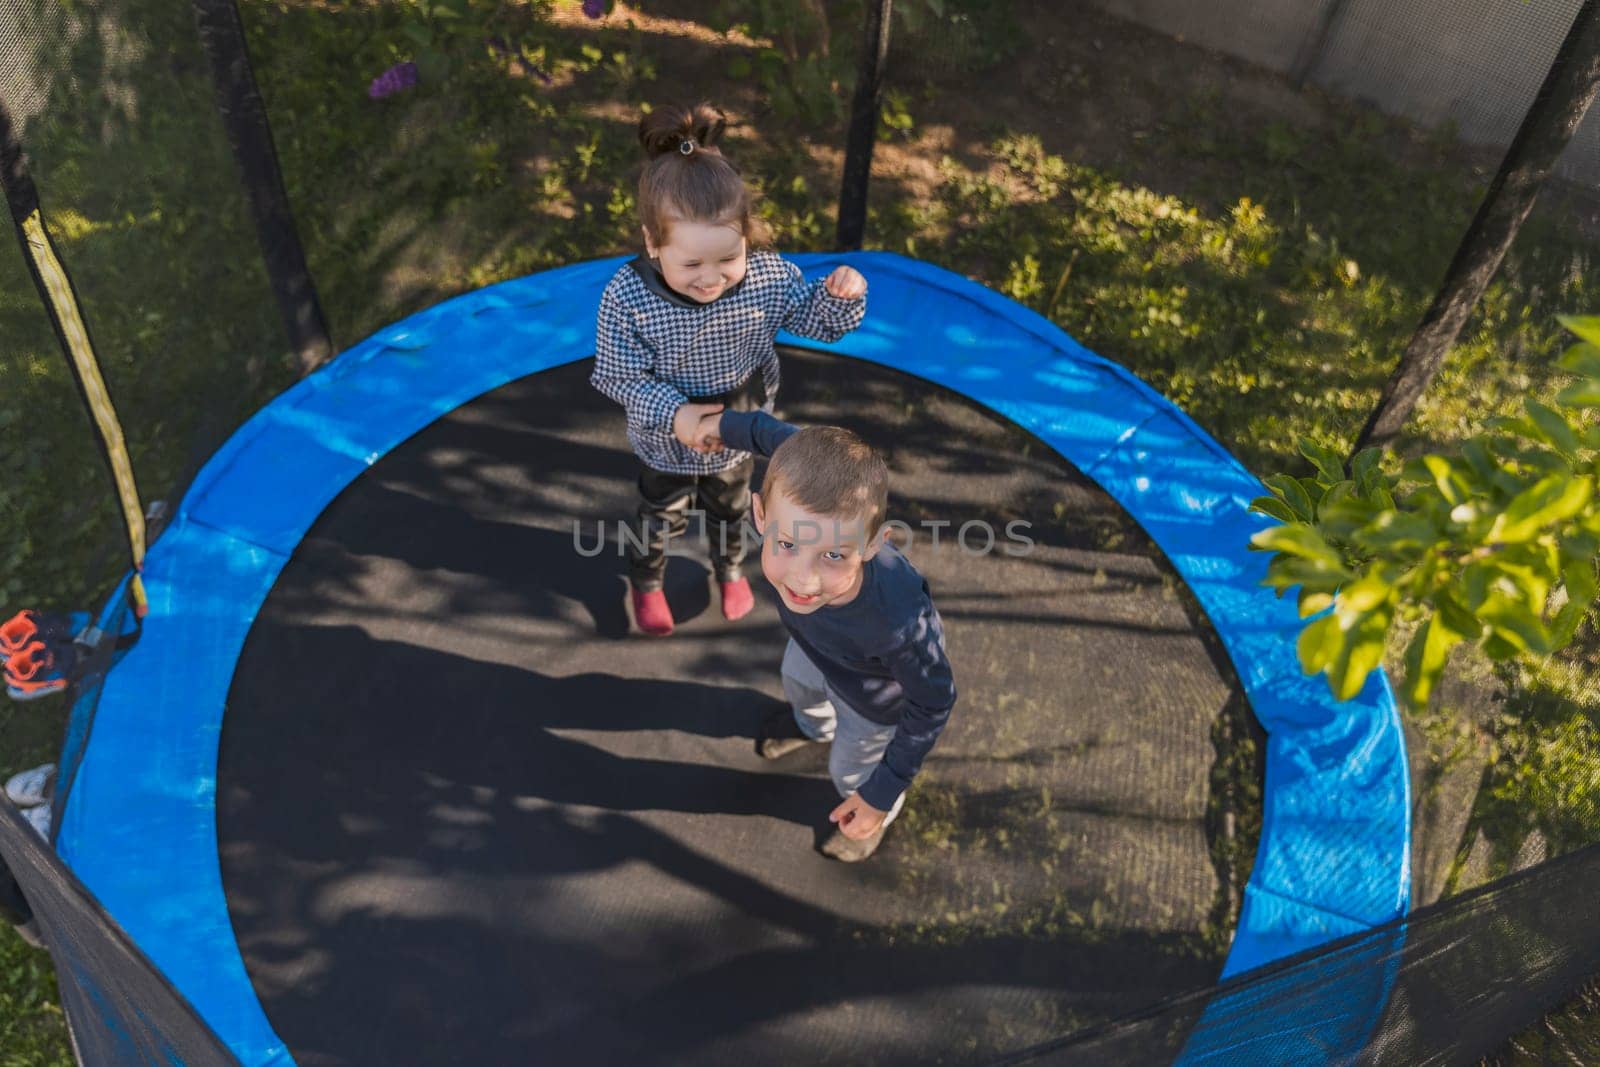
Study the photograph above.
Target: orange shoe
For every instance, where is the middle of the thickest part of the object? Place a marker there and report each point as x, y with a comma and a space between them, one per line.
737, 599
26, 627
39, 670
651, 612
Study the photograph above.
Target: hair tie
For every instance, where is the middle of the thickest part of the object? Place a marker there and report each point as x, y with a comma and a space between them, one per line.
686, 146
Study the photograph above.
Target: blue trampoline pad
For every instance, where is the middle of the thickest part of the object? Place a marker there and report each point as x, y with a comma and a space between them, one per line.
1334, 842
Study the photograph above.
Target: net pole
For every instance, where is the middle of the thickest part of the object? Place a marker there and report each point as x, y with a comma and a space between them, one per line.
60, 301
1568, 89
244, 115
863, 133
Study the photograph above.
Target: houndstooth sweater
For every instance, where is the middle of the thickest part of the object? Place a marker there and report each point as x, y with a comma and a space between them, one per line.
656, 349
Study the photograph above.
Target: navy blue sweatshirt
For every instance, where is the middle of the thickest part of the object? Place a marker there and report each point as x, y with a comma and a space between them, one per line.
882, 652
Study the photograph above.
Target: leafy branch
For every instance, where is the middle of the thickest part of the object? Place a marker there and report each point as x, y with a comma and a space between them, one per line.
1495, 545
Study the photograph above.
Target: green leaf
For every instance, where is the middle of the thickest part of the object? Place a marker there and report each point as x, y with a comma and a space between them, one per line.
1293, 494
1585, 326
1296, 540
1474, 583
1425, 659
1499, 650
1366, 471
1346, 517
1553, 428
1579, 579
1580, 545
418, 33
1581, 359
1361, 655
1447, 478
1319, 644
1525, 583
1549, 500
1477, 454
1329, 464
1398, 531
1285, 572
1314, 601
1366, 593
1584, 394
1513, 623
1338, 494
739, 67
1275, 507
1456, 616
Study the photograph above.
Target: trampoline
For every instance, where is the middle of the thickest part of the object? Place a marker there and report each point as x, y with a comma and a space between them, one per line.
387, 780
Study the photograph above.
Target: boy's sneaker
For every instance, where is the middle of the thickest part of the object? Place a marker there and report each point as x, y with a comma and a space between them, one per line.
737, 599
651, 612
781, 735
848, 849
32, 786
39, 818
39, 670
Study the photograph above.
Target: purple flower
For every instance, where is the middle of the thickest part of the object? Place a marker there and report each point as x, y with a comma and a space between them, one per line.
595, 9
396, 79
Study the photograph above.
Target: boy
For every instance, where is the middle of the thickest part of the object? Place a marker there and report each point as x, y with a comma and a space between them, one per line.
865, 667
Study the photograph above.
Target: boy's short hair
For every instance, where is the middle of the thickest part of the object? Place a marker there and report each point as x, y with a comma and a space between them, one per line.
830, 471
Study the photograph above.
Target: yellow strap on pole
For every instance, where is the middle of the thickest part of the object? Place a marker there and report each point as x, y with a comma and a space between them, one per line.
87, 366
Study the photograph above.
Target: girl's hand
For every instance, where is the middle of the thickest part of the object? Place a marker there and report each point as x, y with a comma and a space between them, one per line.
689, 426
846, 283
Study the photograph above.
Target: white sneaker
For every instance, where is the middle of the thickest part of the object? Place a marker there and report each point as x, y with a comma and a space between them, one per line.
39, 818
32, 786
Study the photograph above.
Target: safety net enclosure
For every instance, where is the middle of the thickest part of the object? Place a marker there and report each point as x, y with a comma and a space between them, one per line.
386, 780
421, 798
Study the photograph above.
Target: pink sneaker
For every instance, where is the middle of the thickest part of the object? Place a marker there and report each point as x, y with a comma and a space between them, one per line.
737, 600
651, 612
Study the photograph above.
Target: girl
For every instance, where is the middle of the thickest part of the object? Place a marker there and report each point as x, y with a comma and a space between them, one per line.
692, 321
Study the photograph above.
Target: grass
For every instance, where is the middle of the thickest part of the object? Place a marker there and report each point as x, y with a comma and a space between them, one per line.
1260, 258
32, 1030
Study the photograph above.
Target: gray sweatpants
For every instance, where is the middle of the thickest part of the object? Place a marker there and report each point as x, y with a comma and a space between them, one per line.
858, 742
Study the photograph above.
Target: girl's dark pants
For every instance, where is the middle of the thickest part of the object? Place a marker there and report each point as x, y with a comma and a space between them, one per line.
664, 504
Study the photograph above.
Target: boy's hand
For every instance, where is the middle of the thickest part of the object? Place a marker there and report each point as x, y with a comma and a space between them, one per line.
845, 283
696, 427
857, 819
709, 431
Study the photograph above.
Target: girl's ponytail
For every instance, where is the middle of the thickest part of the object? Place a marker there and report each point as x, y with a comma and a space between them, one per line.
667, 130
686, 178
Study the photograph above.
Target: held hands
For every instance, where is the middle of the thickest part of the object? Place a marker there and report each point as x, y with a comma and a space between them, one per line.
845, 283
857, 819
698, 427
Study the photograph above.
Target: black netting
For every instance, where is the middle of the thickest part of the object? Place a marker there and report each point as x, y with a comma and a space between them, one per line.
122, 1011
1461, 976
1475, 64
114, 105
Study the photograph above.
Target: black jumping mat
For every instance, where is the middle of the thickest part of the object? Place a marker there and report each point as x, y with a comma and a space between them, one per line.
466, 817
